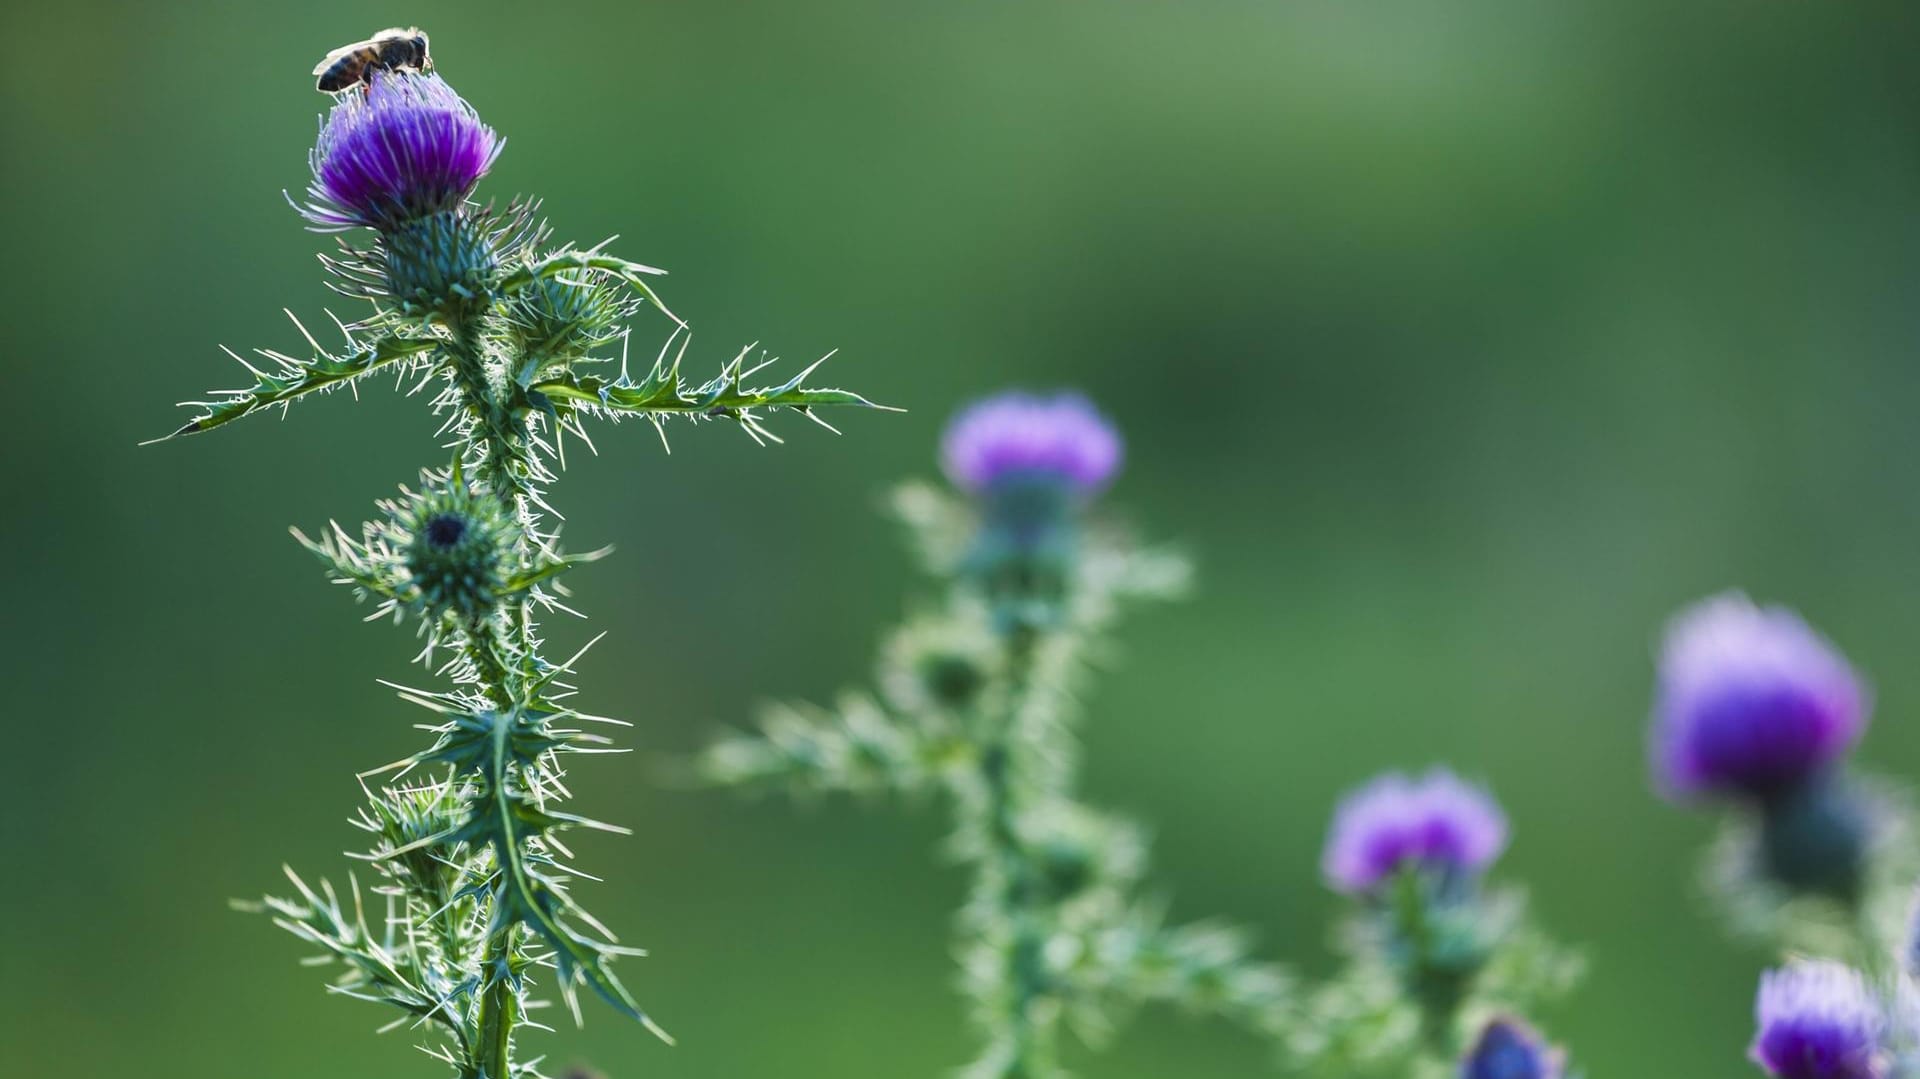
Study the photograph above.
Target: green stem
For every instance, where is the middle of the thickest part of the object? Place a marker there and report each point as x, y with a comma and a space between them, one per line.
502, 652
1021, 899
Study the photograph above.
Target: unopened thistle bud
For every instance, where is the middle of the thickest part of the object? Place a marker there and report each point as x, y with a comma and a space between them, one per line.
938, 665
456, 552
1509, 1049
1075, 848
1436, 825
1818, 1020
1751, 702
559, 320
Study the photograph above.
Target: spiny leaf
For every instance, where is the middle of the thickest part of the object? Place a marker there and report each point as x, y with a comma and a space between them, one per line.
665, 392
537, 900
294, 378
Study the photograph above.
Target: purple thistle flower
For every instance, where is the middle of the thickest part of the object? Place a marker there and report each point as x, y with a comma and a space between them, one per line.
1434, 823
1060, 440
407, 148
1818, 1020
1509, 1049
1750, 700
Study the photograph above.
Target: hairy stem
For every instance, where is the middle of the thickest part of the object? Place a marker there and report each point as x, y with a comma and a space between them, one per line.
501, 649
1010, 866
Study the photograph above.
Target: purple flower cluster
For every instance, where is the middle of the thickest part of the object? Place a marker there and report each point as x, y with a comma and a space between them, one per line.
1750, 701
407, 148
1509, 1049
1061, 440
1435, 823
1818, 1020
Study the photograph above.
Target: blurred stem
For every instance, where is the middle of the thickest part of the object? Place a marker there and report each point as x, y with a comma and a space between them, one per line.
1029, 1037
1437, 987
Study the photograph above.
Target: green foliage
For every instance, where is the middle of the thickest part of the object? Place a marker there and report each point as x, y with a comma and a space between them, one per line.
291, 379
1427, 965
979, 708
468, 855
977, 702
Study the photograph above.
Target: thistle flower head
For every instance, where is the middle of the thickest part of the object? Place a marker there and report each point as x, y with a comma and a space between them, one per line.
1060, 442
457, 549
1509, 1049
408, 148
1818, 1020
1436, 823
1750, 701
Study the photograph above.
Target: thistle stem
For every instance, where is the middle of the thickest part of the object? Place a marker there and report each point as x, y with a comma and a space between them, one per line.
1010, 870
502, 665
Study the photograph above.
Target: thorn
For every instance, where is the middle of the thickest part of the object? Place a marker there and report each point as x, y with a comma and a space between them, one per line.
304, 333
237, 358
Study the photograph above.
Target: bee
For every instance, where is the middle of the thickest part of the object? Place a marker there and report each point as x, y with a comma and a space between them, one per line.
389, 50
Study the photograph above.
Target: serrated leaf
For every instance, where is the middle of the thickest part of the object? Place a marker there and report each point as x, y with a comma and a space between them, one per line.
294, 379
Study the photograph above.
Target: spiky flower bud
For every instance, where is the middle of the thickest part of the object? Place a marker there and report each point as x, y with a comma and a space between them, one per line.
1818, 1020
1436, 824
1075, 848
558, 320
409, 822
1509, 1049
459, 544
1751, 702
408, 148
938, 665
438, 263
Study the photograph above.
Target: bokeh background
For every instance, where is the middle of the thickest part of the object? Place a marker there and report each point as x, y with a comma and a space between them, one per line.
1461, 342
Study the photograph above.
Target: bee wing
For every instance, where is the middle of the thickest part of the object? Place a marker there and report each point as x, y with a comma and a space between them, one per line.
333, 57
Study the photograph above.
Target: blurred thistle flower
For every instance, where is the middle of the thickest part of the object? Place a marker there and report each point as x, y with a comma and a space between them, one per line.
1434, 824
1015, 438
1751, 701
1509, 1049
406, 149
1818, 1020
458, 544
1031, 462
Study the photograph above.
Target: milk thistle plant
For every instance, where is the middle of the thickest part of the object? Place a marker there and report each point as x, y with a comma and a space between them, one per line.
1755, 711
1436, 959
976, 700
522, 342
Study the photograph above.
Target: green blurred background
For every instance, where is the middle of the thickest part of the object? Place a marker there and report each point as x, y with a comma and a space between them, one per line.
1461, 342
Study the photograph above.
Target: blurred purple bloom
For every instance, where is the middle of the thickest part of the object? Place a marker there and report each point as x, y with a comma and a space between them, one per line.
1750, 700
1509, 1049
1061, 438
1436, 822
406, 148
1818, 1020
